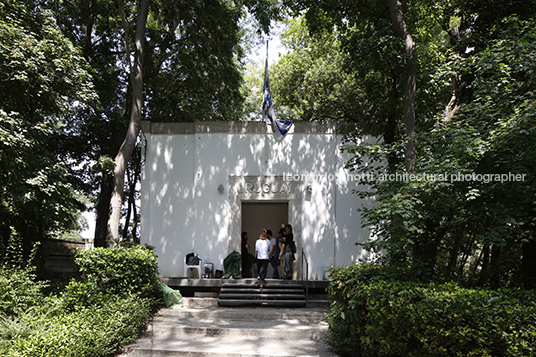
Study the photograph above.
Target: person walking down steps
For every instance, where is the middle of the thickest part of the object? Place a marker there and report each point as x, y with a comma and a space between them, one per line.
262, 253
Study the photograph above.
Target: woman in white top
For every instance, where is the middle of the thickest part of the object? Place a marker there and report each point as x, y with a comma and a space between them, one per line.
262, 253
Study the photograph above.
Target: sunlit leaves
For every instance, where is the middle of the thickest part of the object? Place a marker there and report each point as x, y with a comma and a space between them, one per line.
43, 79
475, 109
43, 70
194, 59
310, 83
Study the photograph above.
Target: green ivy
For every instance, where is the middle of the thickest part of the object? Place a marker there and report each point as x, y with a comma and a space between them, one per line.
18, 291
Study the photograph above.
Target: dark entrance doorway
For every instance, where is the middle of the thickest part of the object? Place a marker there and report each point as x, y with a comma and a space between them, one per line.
257, 216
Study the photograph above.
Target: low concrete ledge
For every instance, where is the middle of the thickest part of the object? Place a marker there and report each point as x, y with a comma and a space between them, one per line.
189, 282
192, 302
216, 283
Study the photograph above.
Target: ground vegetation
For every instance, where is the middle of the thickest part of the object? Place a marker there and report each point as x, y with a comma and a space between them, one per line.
95, 314
378, 311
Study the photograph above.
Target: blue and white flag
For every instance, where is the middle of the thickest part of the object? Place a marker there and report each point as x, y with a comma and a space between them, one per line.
280, 127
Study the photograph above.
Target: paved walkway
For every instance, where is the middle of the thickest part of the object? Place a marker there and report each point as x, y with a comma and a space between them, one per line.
238, 331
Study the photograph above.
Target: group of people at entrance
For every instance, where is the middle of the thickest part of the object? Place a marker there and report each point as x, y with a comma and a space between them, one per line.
279, 252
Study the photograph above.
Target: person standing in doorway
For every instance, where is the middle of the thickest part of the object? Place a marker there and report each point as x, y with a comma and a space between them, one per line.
262, 253
281, 246
244, 253
289, 250
274, 254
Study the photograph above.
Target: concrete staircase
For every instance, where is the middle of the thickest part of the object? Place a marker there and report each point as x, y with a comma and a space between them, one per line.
247, 292
234, 332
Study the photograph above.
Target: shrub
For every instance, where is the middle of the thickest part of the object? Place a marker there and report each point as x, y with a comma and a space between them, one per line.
382, 317
120, 271
18, 290
94, 317
81, 293
87, 331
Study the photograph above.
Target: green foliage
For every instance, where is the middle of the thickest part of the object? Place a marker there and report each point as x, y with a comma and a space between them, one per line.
105, 164
87, 331
18, 291
310, 82
462, 220
192, 71
252, 88
82, 293
364, 273
350, 66
474, 113
13, 257
43, 81
373, 315
42, 71
95, 317
119, 271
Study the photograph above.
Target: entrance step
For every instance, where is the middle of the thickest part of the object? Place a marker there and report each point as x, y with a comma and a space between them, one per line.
243, 314
234, 332
248, 292
199, 302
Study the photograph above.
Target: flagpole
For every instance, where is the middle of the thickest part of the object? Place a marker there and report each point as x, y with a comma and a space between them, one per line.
265, 123
265, 76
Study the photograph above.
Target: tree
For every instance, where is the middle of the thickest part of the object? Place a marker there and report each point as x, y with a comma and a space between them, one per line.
472, 92
126, 149
310, 83
192, 66
219, 54
469, 225
95, 135
402, 31
191, 71
379, 55
37, 198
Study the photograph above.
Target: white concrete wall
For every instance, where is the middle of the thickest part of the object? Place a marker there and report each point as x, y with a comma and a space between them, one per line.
349, 220
183, 211
167, 200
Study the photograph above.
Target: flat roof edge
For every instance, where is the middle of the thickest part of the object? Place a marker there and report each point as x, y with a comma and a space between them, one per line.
235, 127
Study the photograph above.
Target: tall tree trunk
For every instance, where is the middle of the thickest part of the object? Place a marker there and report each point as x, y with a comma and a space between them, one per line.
133, 177
126, 149
468, 251
426, 247
484, 273
130, 202
389, 135
454, 251
495, 266
528, 264
103, 210
401, 30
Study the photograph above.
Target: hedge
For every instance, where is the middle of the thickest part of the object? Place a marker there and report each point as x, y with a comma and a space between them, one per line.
84, 332
120, 271
92, 317
372, 315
